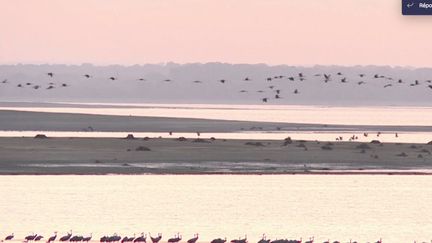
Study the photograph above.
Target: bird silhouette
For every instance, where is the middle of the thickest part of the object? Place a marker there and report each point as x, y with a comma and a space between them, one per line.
38, 238
264, 239
87, 239
156, 239
175, 239
113, 78
87, 76
30, 237
52, 238
218, 240
264, 100
10, 237
194, 239
142, 238
50, 74
66, 237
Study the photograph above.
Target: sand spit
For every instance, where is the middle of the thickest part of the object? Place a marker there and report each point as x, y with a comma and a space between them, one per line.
199, 156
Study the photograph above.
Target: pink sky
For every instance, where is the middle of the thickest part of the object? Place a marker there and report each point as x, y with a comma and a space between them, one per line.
301, 32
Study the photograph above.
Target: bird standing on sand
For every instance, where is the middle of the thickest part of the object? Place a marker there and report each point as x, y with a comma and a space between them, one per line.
30, 237
66, 237
10, 237
87, 239
52, 238
50, 74
38, 238
219, 240
175, 239
194, 239
156, 239
264, 239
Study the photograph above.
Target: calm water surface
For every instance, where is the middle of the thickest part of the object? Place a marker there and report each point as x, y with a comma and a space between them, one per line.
362, 208
266, 113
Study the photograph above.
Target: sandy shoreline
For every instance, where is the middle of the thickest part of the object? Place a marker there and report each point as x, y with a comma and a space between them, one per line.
171, 156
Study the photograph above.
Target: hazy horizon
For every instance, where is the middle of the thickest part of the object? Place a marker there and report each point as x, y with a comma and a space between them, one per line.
275, 32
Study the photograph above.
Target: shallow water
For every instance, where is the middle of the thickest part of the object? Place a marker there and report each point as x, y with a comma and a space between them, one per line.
390, 137
360, 207
389, 115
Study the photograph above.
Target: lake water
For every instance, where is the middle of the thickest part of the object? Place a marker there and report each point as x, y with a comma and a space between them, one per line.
403, 116
359, 207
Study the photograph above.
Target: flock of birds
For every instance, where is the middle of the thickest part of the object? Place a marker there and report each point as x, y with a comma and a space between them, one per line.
143, 239
276, 92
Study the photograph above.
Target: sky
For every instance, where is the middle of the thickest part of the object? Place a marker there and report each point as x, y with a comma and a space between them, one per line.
293, 32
